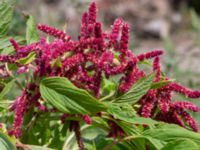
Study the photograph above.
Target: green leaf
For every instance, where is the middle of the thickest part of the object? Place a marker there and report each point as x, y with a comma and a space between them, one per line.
108, 87
138, 90
126, 113
6, 89
28, 59
31, 30
62, 94
6, 15
168, 132
6, 143
121, 111
140, 142
181, 144
57, 63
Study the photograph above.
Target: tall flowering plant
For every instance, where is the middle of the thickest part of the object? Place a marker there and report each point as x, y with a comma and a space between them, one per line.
95, 82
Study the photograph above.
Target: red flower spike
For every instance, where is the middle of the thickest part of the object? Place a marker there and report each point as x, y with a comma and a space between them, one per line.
185, 91
54, 32
105, 60
149, 104
99, 35
84, 25
178, 119
21, 108
92, 13
130, 79
149, 55
156, 68
124, 38
116, 30
8, 59
189, 119
186, 105
164, 101
72, 61
87, 119
15, 44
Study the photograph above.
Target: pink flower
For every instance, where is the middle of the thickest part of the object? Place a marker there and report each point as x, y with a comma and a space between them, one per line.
22, 69
87, 119
130, 79
150, 99
92, 13
186, 105
156, 68
63, 117
185, 91
54, 32
8, 59
20, 110
14, 44
116, 30
149, 55
164, 101
84, 25
73, 61
189, 119
124, 38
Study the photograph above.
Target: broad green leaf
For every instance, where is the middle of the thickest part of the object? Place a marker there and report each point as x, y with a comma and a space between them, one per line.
62, 94
6, 143
4, 42
138, 90
31, 30
6, 89
28, 59
181, 144
140, 142
121, 111
126, 113
128, 128
168, 132
6, 15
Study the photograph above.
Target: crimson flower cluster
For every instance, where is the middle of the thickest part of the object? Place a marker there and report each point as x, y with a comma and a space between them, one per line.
96, 54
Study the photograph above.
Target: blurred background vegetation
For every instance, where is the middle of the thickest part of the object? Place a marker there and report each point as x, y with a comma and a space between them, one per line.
171, 25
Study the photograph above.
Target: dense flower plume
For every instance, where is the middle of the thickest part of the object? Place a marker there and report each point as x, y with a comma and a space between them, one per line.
97, 54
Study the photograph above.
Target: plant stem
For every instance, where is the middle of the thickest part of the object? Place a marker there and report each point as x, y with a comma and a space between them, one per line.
118, 141
11, 75
76, 128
